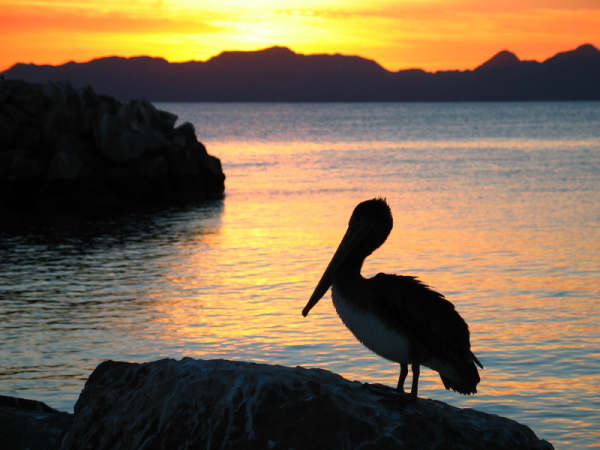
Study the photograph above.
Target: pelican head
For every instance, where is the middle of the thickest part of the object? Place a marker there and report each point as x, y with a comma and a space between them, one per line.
368, 228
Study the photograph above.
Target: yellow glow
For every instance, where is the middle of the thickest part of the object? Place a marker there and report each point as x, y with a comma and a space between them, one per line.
260, 302
429, 34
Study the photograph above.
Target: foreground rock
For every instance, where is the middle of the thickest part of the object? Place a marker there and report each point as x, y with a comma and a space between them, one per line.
220, 404
70, 149
31, 424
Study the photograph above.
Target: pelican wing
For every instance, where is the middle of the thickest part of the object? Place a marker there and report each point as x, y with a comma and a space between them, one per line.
425, 315
439, 335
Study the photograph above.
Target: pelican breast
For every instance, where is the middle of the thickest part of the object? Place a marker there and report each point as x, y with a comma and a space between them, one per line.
370, 330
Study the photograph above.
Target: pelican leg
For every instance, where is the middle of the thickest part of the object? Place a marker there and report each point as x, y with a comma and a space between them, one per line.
415, 379
403, 373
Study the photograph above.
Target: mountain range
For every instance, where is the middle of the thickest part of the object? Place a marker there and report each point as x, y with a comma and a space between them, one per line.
279, 74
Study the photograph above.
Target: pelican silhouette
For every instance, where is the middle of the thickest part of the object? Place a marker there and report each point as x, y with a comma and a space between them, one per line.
397, 317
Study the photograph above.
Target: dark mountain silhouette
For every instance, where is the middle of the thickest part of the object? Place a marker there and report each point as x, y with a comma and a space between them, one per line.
279, 74
500, 60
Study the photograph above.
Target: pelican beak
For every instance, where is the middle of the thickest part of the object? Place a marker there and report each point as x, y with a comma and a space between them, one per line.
353, 237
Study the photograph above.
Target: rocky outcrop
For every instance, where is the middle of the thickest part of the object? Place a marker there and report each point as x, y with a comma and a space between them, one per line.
219, 404
71, 149
29, 424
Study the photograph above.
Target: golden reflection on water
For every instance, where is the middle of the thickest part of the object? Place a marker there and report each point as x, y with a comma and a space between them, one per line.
270, 269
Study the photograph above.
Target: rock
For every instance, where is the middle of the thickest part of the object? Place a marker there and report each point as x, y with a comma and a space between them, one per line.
184, 135
72, 149
128, 135
119, 143
29, 137
15, 114
60, 119
166, 120
152, 168
8, 132
29, 424
170, 404
24, 166
213, 173
66, 142
184, 161
74, 162
4, 91
30, 100
65, 166
6, 158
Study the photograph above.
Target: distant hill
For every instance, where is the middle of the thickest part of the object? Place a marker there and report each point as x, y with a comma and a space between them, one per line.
279, 74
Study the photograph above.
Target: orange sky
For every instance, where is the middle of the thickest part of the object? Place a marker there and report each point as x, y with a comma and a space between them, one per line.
430, 34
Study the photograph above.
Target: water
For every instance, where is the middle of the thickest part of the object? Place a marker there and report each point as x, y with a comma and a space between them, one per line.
495, 205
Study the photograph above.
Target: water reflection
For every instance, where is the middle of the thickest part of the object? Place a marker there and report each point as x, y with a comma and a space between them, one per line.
70, 289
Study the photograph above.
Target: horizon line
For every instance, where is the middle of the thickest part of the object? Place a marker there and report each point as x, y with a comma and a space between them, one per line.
288, 48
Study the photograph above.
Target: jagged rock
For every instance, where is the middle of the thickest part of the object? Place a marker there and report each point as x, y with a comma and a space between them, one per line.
78, 150
170, 404
127, 134
165, 120
29, 424
184, 135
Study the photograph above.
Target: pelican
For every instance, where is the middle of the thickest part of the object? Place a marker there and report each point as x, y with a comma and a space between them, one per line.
397, 317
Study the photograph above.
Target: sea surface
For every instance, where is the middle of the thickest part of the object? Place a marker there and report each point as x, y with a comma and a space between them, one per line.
496, 205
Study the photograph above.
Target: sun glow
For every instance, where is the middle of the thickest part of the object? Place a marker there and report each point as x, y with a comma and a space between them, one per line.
429, 34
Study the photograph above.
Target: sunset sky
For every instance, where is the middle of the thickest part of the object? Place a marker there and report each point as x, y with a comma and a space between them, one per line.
430, 34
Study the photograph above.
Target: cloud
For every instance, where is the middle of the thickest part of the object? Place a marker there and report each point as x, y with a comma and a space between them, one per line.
39, 19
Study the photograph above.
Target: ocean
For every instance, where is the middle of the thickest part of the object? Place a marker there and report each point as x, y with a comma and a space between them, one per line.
496, 205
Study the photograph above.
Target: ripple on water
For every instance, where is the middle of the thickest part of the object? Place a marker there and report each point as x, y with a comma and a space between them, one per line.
504, 221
